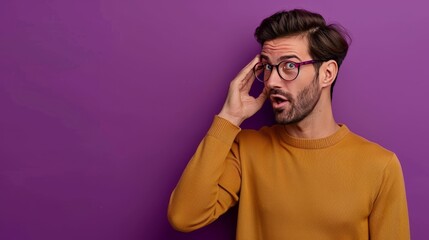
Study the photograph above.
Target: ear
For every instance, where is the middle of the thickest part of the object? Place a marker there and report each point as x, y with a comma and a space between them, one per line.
328, 73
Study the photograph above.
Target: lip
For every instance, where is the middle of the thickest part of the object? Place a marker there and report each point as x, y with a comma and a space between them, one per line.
278, 101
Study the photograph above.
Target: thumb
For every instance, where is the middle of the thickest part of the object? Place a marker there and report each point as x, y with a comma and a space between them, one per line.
262, 97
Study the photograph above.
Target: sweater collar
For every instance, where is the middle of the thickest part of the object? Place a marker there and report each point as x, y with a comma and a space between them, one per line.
314, 143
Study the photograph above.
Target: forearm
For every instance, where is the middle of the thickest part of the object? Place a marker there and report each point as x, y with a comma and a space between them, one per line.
198, 199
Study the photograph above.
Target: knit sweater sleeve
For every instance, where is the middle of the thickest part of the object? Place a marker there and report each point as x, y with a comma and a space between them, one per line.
389, 217
210, 183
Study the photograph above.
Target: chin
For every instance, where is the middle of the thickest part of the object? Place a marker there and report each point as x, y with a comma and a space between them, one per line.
281, 119
285, 118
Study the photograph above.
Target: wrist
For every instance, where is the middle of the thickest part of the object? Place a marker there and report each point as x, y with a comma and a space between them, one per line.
234, 120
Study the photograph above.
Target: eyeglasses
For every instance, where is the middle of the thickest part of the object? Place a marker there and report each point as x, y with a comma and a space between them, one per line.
287, 70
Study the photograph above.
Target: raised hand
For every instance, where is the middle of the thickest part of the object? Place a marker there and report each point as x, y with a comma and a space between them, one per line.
239, 105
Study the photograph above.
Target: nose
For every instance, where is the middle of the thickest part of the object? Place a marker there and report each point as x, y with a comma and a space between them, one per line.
274, 81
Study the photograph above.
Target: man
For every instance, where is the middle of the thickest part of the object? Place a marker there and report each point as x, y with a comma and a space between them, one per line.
306, 177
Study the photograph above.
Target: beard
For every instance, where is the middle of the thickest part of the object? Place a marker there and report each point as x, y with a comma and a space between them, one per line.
301, 106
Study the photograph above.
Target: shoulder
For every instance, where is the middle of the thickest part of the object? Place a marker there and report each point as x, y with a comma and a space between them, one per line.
368, 150
364, 144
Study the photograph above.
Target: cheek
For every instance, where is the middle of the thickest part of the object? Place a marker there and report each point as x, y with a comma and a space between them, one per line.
307, 74
299, 87
292, 88
307, 78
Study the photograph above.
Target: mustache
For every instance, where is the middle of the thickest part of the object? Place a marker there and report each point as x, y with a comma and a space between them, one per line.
275, 91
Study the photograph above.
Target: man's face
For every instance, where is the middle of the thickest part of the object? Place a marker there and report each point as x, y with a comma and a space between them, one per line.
292, 101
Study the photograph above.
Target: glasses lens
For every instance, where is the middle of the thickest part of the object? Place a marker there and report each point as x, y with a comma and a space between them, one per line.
260, 71
288, 70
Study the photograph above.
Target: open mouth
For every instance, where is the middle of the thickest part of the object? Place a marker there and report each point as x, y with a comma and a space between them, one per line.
278, 101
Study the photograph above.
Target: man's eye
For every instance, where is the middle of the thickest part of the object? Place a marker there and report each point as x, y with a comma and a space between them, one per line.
290, 65
268, 67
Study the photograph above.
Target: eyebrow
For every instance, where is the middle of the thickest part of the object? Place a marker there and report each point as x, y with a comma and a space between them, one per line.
282, 58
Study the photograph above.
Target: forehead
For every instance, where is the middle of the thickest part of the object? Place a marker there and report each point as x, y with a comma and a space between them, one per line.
277, 48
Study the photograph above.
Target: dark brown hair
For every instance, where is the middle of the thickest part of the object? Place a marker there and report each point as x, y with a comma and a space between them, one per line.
326, 42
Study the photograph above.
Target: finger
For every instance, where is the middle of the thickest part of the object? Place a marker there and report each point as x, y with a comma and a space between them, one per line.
262, 96
249, 78
252, 63
249, 67
244, 75
247, 84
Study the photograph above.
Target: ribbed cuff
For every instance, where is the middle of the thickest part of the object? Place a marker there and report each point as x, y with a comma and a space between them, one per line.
223, 130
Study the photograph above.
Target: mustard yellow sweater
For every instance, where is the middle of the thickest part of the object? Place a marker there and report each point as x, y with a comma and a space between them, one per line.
339, 187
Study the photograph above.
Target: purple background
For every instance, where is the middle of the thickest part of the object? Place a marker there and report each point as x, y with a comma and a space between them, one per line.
103, 103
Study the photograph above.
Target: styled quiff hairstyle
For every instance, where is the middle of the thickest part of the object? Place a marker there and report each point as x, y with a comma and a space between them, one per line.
326, 42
